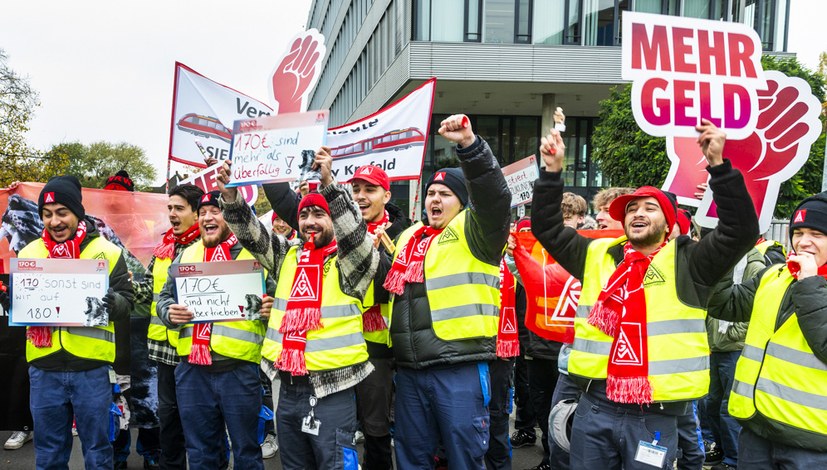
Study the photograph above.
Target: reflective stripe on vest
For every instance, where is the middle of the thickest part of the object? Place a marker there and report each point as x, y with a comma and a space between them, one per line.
234, 339
677, 340
463, 291
339, 343
379, 336
96, 343
157, 330
777, 375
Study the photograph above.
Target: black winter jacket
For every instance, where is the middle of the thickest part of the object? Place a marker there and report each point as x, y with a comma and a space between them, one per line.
415, 344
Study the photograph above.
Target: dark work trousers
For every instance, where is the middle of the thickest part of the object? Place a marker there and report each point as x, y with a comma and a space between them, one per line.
443, 405
564, 390
525, 420
374, 398
267, 400
542, 378
690, 441
173, 446
606, 435
724, 428
758, 453
333, 448
498, 456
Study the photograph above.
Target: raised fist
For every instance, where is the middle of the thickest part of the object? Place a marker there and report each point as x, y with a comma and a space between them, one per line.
296, 72
787, 126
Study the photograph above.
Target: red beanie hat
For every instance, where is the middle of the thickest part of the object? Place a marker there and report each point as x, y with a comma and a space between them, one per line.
313, 199
524, 222
618, 207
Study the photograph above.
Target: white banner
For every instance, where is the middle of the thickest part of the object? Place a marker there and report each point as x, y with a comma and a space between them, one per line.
394, 138
520, 177
207, 180
221, 290
59, 292
203, 112
276, 148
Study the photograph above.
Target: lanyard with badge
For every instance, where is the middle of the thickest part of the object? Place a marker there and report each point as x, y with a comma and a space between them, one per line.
651, 453
310, 424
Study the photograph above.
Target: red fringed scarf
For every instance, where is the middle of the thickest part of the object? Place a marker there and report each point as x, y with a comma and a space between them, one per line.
508, 341
41, 336
166, 249
409, 265
304, 307
620, 312
372, 319
200, 351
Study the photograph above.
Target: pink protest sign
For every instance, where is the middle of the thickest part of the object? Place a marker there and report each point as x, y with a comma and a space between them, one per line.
683, 70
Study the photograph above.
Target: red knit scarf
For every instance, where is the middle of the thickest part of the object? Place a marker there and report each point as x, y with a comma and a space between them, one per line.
372, 319
166, 249
200, 351
620, 312
41, 336
304, 307
409, 265
508, 341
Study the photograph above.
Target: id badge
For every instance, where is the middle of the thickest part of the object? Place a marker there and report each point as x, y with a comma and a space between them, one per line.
651, 454
311, 425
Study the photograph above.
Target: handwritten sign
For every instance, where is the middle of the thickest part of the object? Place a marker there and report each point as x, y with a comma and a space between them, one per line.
520, 177
59, 292
220, 291
207, 181
684, 69
275, 148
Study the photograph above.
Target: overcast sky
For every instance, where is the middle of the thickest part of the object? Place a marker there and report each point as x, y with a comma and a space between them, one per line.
104, 68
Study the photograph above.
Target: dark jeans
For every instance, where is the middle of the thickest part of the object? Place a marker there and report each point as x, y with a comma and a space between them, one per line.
211, 402
542, 378
498, 456
55, 397
445, 405
524, 420
146, 446
333, 448
564, 390
173, 445
374, 398
723, 427
758, 453
690, 440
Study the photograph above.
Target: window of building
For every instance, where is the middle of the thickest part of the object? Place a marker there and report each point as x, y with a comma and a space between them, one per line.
663, 7
549, 21
447, 20
761, 15
602, 23
508, 21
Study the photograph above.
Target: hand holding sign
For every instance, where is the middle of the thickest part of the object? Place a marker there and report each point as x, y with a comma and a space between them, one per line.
295, 73
553, 151
323, 162
457, 129
229, 194
179, 314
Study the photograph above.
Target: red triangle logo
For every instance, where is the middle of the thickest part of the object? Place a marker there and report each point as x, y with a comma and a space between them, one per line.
305, 288
508, 326
49, 197
440, 176
800, 215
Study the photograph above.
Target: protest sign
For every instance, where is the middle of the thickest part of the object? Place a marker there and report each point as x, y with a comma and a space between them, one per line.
276, 148
393, 138
207, 181
297, 72
520, 177
203, 112
221, 290
684, 69
59, 292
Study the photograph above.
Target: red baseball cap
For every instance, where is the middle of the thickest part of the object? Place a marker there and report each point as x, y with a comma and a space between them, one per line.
374, 175
617, 209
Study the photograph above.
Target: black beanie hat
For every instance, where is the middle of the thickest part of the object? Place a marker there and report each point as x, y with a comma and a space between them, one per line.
811, 213
454, 179
120, 181
209, 199
62, 190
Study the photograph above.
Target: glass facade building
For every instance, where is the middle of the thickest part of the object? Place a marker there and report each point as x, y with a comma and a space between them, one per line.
505, 63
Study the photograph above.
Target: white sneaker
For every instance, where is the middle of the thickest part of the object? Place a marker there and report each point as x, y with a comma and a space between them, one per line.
269, 447
17, 439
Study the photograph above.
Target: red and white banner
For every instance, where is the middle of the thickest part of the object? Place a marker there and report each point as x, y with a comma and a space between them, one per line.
207, 180
203, 112
394, 138
684, 70
520, 177
297, 72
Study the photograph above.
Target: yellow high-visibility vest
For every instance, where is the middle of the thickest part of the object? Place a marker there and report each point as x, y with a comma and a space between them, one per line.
339, 343
88, 342
777, 375
463, 291
234, 339
677, 341
157, 330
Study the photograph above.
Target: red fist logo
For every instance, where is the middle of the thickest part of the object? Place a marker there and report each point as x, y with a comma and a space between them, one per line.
787, 126
295, 75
